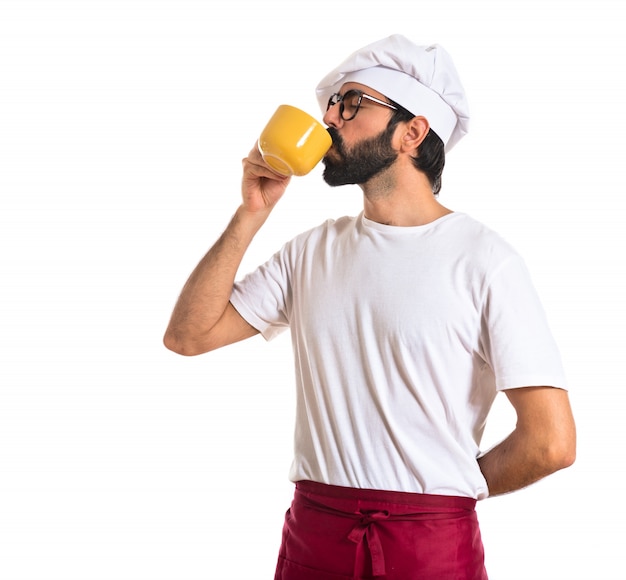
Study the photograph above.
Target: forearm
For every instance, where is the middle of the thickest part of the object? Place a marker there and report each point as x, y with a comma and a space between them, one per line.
521, 460
509, 466
205, 295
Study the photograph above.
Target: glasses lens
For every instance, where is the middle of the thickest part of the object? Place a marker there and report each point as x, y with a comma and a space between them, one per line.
350, 104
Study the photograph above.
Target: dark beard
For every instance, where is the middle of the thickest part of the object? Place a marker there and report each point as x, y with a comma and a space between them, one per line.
364, 161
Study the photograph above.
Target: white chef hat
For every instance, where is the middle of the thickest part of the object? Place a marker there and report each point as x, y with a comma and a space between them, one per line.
422, 79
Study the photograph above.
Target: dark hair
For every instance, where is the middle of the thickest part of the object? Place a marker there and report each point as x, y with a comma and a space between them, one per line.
431, 156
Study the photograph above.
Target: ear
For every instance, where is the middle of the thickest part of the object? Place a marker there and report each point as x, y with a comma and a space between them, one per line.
415, 132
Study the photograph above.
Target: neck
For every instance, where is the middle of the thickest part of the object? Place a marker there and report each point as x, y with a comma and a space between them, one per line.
396, 202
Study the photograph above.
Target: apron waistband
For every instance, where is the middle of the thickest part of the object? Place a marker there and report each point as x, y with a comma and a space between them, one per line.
392, 506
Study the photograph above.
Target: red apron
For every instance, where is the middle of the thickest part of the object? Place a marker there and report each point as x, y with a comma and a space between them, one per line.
340, 533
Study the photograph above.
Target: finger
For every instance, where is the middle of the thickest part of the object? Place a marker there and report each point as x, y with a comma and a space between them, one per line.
256, 167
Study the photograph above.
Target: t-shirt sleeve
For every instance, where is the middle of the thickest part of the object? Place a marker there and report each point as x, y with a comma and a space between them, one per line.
262, 296
517, 340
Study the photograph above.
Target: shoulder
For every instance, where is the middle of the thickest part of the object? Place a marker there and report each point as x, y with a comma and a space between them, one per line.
479, 240
479, 254
327, 230
467, 226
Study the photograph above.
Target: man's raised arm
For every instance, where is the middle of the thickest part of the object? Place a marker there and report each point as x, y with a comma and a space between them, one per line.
203, 318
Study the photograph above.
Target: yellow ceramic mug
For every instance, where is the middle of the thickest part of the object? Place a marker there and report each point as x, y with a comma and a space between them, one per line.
293, 142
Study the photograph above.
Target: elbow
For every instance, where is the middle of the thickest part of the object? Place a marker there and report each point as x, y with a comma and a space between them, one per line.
568, 445
561, 453
178, 345
566, 456
555, 461
172, 343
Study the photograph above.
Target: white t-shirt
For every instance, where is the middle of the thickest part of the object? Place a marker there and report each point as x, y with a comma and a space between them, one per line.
402, 336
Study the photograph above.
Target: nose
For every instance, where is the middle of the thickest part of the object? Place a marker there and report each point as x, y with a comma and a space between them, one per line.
332, 117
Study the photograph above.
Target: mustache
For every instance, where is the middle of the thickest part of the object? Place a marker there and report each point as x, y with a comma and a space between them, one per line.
334, 134
338, 142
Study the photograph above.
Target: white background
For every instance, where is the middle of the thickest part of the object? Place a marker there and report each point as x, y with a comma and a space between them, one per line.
122, 127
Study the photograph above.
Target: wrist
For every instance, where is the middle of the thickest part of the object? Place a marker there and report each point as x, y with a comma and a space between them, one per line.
250, 221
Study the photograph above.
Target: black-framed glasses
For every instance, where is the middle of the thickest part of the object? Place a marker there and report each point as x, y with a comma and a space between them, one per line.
350, 102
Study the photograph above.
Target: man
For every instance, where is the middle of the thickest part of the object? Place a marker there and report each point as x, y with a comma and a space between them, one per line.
406, 321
